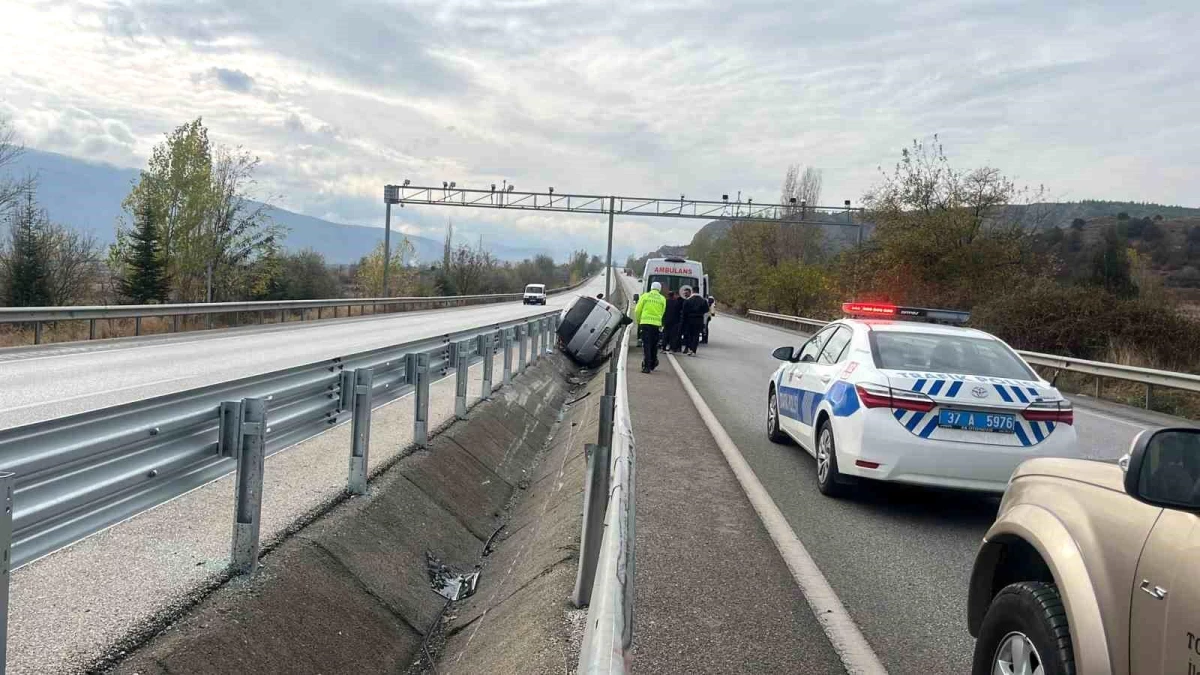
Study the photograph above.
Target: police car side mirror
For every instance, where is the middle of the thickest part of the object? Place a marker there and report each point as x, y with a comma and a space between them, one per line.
784, 353
1160, 468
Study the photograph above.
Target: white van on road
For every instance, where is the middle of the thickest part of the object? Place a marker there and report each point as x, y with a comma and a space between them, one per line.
535, 294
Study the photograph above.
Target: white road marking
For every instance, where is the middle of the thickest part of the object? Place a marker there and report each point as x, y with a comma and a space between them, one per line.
843, 634
1110, 418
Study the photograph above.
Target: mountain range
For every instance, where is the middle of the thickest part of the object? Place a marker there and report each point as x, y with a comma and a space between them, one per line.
1051, 214
87, 196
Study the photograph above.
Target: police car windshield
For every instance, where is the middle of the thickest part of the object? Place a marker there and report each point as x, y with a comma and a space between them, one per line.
671, 282
953, 354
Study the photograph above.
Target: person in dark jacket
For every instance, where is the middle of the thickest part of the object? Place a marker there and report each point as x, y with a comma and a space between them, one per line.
695, 309
671, 325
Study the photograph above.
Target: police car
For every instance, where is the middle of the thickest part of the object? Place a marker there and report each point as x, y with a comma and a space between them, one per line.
906, 394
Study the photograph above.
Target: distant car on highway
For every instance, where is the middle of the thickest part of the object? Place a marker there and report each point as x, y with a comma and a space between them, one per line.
902, 394
1093, 567
535, 294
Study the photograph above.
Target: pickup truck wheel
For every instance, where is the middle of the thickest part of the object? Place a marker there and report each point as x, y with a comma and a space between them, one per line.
1025, 631
774, 434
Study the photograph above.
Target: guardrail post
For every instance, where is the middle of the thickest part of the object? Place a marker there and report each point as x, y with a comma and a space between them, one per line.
508, 349
462, 371
522, 333
595, 504
249, 484
1097, 386
535, 336
91, 329
489, 365
607, 408
360, 431
6, 492
175, 323
1149, 388
137, 326
37, 332
421, 400
208, 321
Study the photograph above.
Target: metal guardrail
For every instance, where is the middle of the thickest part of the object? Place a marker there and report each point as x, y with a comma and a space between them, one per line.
609, 501
41, 315
604, 581
1148, 377
74, 476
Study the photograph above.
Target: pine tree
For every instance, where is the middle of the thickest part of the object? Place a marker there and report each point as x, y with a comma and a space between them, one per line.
28, 260
145, 278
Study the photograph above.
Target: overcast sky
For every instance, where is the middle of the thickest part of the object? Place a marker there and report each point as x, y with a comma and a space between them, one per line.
1091, 99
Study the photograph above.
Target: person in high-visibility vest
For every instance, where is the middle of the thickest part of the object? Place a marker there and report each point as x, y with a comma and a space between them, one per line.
648, 316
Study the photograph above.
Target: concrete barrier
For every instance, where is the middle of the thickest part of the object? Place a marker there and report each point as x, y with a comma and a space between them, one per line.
521, 619
351, 591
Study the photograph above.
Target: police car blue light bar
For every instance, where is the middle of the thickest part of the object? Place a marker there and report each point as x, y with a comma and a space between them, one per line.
878, 310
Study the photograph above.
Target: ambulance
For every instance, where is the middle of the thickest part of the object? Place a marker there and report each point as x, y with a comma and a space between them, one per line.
674, 272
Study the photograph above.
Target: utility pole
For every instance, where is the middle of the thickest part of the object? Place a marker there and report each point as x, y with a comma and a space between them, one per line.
608, 266
391, 195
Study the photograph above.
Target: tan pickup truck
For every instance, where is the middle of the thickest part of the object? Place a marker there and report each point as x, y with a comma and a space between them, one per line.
1094, 568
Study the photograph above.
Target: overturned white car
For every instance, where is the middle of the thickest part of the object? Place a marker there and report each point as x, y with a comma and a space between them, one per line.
588, 327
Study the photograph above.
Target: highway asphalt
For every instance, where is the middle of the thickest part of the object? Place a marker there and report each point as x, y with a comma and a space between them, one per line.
899, 558
64, 379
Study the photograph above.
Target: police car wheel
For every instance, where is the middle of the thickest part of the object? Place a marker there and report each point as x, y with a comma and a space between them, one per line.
829, 479
774, 434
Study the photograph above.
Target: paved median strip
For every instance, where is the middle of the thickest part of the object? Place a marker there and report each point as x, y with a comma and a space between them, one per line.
852, 648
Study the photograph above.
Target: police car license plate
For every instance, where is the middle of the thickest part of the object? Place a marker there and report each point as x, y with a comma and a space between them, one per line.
974, 420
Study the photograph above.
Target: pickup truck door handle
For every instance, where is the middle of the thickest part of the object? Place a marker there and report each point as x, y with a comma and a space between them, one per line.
1158, 592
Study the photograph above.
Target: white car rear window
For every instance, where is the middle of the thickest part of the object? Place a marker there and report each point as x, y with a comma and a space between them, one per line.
535, 288
956, 354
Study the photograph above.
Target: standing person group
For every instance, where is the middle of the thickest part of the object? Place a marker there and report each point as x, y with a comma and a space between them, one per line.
672, 326
693, 313
673, 323
648, 317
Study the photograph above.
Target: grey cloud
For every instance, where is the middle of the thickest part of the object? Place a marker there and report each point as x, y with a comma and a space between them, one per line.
76, 131
373, 43
294, 124
233, 80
